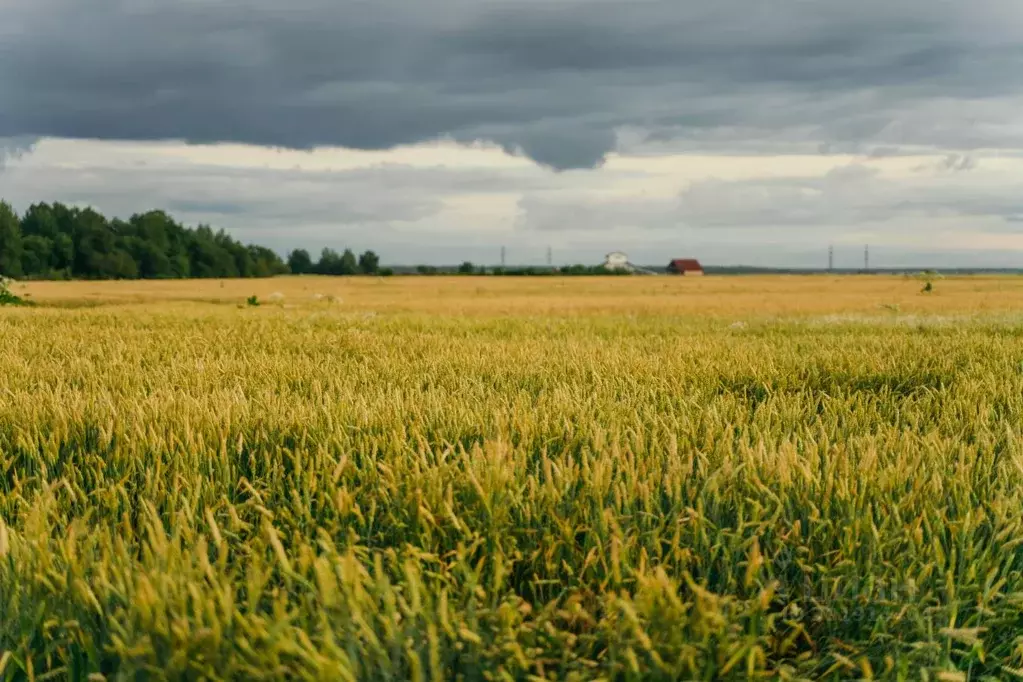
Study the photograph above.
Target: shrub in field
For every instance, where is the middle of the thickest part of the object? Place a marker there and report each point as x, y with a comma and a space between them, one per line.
8, 297
928, 277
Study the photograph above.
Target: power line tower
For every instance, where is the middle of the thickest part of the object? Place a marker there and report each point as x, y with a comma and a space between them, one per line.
831, 258
502, 256
550, 257
866, 258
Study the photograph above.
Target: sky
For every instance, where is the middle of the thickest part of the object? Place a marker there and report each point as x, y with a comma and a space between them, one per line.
436, 131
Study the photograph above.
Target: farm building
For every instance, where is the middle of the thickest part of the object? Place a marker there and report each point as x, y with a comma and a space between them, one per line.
685, 266
619, 262
616, 260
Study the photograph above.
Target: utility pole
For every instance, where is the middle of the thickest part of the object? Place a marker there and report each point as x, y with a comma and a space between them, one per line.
831, 258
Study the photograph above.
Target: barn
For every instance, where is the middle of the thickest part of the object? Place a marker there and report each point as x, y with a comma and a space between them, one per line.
685, 266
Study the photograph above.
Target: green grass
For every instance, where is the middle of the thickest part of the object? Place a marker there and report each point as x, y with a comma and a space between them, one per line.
267, 494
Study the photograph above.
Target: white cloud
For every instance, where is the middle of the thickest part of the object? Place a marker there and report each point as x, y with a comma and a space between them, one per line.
443, 202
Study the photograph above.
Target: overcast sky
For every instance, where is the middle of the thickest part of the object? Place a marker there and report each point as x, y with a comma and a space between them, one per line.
735, 131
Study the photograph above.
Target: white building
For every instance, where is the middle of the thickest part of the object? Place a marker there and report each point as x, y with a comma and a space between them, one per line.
616, 260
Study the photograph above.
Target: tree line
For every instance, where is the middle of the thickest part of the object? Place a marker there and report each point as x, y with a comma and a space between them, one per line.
55, 241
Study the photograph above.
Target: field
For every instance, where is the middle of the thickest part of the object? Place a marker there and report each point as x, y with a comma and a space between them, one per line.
513, 479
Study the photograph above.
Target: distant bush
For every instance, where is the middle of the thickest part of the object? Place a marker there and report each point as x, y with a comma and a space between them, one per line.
8, 297
928, 277
567, 271
469, 268
583, 270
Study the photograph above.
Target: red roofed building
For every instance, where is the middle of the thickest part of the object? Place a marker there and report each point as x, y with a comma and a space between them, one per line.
685, 266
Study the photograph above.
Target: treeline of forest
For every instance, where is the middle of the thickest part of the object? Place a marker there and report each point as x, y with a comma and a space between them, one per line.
54, 241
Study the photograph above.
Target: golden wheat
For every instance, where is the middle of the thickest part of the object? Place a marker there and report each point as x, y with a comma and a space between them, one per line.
622, 478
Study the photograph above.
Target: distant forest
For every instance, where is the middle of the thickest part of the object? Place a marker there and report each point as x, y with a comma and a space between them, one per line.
54, 241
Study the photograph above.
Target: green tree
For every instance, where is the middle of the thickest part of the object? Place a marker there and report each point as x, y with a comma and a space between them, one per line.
40, 220
330, 262
369, 263
93, 240
466, 268
349, 263
36, 256
152, 261
118, 264
300, 262
265, 262
207, 258
63, 256
10, 241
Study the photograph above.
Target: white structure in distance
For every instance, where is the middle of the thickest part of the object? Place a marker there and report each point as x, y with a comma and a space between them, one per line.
616, 260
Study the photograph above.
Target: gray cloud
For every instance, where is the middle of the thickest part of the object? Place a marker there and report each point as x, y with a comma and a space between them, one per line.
850, 196
14, 148
847, 195
253, 199
555, 80
278, 207
565, 211
952, 163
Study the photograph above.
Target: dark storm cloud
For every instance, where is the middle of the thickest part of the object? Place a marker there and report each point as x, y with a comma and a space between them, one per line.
552, 79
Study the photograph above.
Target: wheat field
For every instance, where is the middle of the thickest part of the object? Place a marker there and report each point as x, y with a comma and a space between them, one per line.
513, 479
